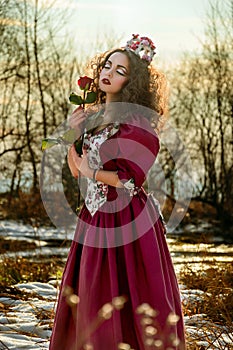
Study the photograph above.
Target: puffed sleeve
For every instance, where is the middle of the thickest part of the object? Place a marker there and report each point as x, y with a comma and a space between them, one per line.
138, 147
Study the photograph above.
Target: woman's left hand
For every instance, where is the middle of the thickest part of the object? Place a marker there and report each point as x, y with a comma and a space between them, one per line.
81, 163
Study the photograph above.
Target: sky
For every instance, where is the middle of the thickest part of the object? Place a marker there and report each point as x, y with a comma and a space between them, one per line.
175, 26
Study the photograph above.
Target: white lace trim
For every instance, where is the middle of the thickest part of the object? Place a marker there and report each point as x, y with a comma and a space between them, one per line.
97, 191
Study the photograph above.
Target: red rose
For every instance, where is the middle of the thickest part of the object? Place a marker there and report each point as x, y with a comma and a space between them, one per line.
84, 83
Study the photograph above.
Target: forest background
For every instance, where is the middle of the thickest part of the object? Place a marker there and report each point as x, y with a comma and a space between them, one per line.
39, 67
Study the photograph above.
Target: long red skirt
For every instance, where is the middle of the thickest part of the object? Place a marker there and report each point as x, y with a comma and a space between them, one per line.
119, 252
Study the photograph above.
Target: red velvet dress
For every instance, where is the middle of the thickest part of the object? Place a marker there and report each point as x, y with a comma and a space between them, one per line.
120, 249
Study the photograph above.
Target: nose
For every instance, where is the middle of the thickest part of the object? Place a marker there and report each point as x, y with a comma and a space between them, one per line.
109, 72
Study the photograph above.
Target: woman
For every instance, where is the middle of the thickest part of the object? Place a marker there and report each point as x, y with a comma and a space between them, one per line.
119, 289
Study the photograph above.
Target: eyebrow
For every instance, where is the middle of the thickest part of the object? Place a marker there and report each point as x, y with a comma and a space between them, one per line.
119, 66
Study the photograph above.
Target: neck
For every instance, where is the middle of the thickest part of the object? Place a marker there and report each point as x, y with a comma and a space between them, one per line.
112, 98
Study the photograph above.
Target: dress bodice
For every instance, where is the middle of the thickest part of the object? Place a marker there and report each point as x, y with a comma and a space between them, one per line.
97, 191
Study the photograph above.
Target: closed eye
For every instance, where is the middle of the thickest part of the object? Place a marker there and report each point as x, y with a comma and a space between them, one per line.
107, 65
121, 72
119, 69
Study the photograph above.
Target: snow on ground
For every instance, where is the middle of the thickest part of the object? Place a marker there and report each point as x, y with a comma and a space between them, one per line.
23, 324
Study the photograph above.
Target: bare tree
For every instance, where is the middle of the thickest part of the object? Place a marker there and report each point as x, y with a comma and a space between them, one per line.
35, 83
202, 110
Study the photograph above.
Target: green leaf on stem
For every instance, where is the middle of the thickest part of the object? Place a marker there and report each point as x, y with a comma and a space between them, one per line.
91, 97
79, 146
48, 143
69, 136
75, 99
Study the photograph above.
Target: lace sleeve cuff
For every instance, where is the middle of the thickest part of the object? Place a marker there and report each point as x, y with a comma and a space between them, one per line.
130, 187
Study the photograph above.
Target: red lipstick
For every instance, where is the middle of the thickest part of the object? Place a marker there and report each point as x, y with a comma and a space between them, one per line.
106, 81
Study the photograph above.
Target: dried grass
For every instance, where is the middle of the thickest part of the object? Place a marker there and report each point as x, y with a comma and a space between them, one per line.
216, 303
20, 270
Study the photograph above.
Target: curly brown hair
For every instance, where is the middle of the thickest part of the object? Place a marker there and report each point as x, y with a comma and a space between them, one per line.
146, 85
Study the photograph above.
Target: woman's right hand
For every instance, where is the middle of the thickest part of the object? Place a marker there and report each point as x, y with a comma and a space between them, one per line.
73, 168
76, 121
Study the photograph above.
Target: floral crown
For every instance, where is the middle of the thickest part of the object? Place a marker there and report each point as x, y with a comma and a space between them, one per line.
142, 47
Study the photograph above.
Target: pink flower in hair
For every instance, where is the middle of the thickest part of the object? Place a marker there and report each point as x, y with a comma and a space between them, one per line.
142, 47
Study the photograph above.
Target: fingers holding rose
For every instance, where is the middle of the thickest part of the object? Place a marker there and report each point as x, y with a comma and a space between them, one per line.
77, 163
76, 120
73, 168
